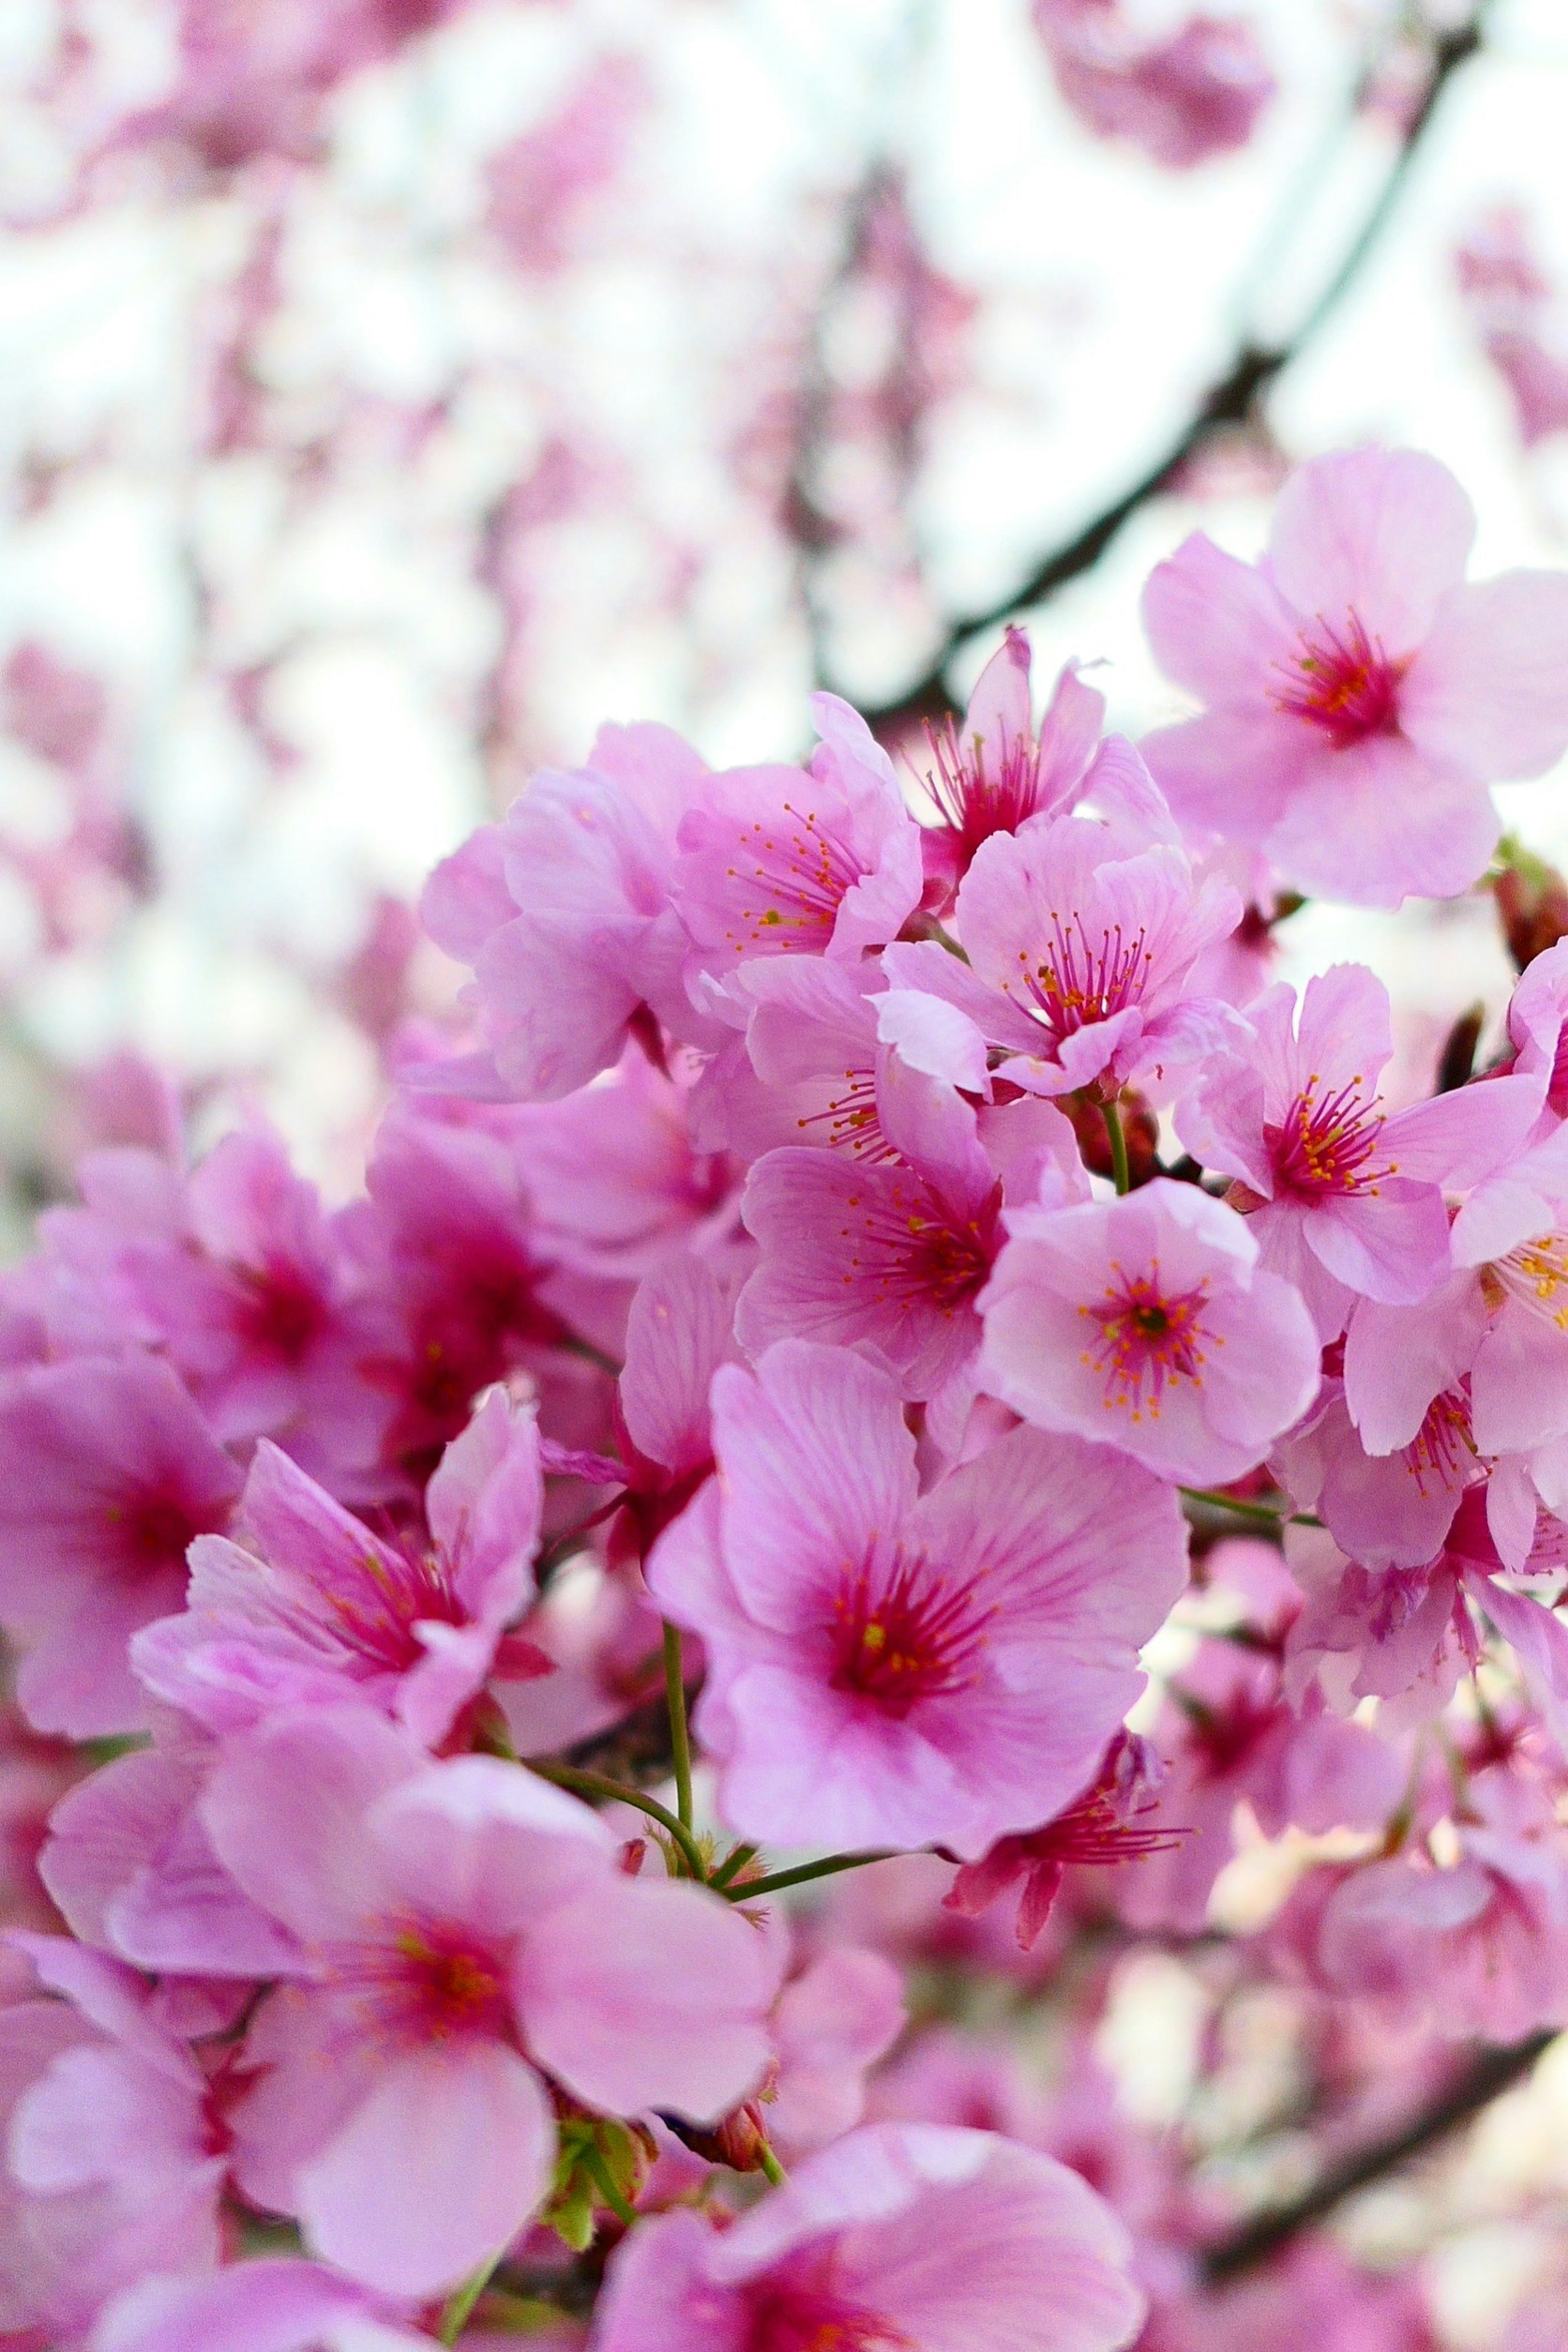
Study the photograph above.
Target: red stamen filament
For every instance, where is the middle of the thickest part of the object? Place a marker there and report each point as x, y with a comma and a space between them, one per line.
1328, 1145
1148, 1337
1342, 683
901, 1633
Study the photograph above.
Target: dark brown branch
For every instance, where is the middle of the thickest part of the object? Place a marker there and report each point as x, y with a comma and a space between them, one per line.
1489, 2073
1231, 401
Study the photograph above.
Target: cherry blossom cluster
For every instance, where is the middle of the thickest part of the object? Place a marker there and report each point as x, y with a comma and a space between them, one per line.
881, 1254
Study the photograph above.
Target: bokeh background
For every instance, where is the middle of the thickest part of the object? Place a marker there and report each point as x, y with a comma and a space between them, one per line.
392, 390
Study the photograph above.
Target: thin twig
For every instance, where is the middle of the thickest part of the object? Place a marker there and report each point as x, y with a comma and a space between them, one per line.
1232, 400
1489, 2075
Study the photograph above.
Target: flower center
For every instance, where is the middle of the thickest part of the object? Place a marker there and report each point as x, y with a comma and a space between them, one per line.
910, 1249
787, 2318
1081, 980
374, 1607
979, 789
903, 1632
1148, 1338
280, 1309
427, 1980
1327, 1143
1343, 682
1536, 1276
153, 1531
801, 872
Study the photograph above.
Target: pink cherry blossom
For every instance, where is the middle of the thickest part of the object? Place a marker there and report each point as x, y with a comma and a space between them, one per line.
1361, 697
1390, 1508
1344, 1198
111, 2170
1148, 1324
563, 912
994, 772
778, 861
329, 1607
455, 1917
1182, 97
1079, 947
891, 1668
110, 1474
902, 2234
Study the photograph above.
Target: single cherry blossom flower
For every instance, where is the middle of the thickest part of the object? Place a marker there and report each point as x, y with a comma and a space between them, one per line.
1361, 696
1079, 944
1148, 1324
887, 1667
324, 1609
995, 772
464, 1927
1344, 1198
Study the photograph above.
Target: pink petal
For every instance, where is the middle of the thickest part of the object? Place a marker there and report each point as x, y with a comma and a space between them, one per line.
1488, 693
435, 2172
1381, 533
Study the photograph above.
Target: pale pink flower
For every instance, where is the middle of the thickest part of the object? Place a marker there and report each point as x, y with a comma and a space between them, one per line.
1180, 97
1361, 697
563, 912
111, 2167
1343, 1198
1148, 1324
1080, 943
902, 2235
995, 772
111, 1472
781, 861
452, 1918
324, 1609
887, 1667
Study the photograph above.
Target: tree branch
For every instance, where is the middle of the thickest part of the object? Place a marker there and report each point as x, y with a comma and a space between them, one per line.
1233, 399
1489, 2073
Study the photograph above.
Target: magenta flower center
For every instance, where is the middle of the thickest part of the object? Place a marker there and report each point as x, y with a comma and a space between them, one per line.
1343, 682
428, 1980
1328, 1144
906, 1246
978, 795
901, 1633
801, 872
154, 1529
373, 1606
803, 2319
1148, 1337
1082, 978
280, 1309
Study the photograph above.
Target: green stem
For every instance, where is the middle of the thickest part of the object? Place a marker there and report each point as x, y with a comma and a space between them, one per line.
827, 1867
1111, 1114
598, 2172
731, 1863
771, 2164
458, 2309
680, 1738
1263, 1513
595, 1784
